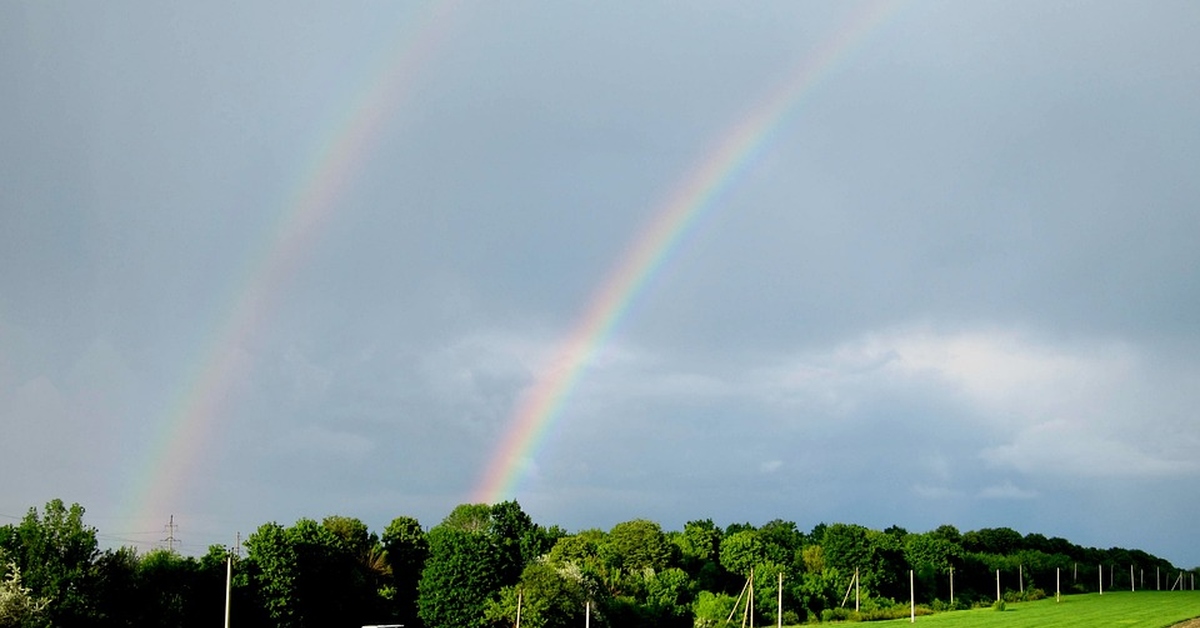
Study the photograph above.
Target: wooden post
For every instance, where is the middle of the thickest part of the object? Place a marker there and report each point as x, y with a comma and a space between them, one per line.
1101, 567
856, 589
779, 608
733, 610
750, 600
1021, 578
1131, 588
519, 594
951, 586
912, 598
997, 585
1058, 584
228, 585
587, 617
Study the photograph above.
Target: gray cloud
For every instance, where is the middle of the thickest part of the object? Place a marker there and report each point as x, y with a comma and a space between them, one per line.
957, 285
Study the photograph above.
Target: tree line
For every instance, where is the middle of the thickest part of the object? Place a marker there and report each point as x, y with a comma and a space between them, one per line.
483, 564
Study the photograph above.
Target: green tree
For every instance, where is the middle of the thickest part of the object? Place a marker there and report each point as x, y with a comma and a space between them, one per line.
582, 552
741, 551
55, 552
473, 553
700, 552
710, 609
307, 576
549, 597
115, 591
459, 578
170, 591
931, 555
782, 542
517, 540
352, 532
993, 541
669, 596
469, 518
636, 545
878, 557
406, 549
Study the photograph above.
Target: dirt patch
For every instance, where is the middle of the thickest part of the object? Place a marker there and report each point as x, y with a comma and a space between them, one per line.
1191, 623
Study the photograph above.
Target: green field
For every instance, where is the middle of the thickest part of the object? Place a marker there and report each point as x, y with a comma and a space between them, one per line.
1143, 609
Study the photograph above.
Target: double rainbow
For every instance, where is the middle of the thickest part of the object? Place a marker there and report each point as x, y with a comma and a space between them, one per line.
195, 416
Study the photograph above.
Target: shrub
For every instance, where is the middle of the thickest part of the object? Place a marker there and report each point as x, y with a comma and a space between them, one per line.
998, 605
878, 613
1029, 595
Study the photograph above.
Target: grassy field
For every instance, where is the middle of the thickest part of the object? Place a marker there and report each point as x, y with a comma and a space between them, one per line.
1143, 609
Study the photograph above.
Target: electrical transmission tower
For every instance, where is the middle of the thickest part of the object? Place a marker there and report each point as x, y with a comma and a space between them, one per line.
170, 530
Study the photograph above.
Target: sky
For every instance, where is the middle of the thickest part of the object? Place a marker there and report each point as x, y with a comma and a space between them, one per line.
910, 263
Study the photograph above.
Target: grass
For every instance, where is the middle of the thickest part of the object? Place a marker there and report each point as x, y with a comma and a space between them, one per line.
1143, 609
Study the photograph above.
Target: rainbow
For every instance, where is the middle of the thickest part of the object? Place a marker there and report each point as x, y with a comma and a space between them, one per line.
194, 417
696, 194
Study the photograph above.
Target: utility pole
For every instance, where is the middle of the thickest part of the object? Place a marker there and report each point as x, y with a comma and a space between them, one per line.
229, 574
228, 585
779, 608
952, 586
170, 529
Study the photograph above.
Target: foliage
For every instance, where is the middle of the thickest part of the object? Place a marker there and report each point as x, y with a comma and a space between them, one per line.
741, 551
19, 607
549, 598
405, 549
712, 609
472, 568
54, 552
633, 546
308, 575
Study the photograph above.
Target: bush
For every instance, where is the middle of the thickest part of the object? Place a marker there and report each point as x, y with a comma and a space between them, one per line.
998, 605
894, 611
1029, 595
941, 606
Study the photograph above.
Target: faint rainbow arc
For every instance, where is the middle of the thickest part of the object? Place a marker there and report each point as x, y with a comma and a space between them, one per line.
194, 416
698, 191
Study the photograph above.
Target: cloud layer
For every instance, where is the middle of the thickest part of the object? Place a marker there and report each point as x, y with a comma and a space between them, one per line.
957, 286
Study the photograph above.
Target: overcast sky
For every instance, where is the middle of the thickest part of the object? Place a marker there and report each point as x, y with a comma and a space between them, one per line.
959, 284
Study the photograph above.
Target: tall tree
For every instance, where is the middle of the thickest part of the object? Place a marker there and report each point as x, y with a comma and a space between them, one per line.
307, 576
637, 545
459, 577
548, 596
55, 552
406, 549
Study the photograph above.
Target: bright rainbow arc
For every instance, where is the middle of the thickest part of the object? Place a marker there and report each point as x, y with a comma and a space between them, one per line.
181, 441
697, 193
